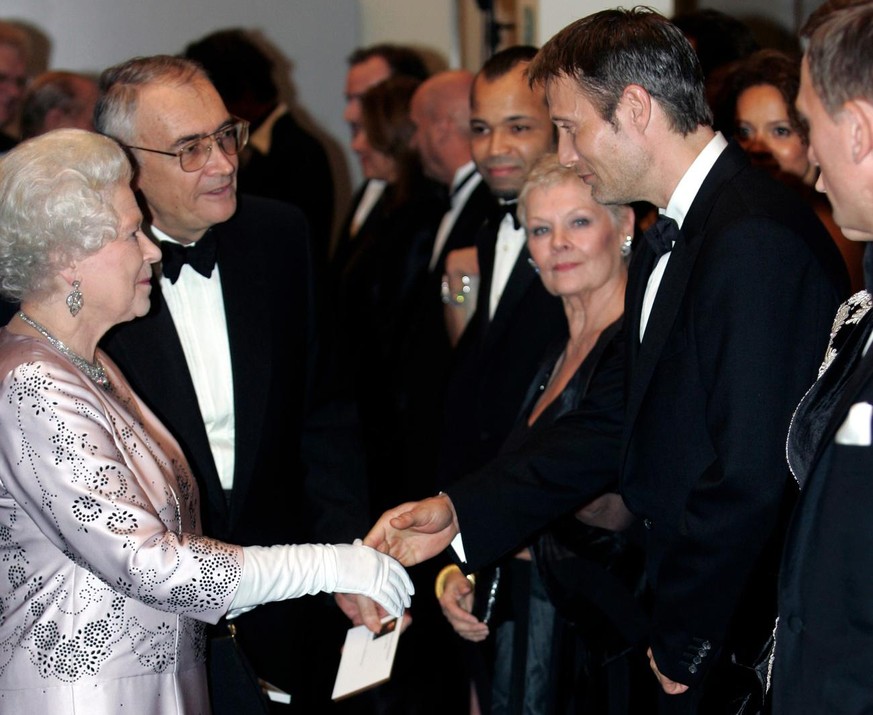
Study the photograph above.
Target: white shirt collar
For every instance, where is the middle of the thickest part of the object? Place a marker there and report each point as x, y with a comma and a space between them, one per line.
161, 236
690, 183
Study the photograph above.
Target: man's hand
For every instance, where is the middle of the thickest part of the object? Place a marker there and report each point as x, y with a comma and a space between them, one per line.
457, 604
671, 687
415, 531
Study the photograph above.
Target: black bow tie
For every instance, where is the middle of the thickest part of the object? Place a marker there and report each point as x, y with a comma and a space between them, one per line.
507, 209
200, 256
662, 234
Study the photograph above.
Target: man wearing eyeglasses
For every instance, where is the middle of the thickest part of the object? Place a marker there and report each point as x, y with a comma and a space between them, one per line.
227, 355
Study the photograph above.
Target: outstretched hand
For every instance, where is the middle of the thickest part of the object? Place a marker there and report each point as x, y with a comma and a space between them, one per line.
415, 531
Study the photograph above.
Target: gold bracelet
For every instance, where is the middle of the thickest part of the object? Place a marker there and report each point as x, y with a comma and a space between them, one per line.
439, 585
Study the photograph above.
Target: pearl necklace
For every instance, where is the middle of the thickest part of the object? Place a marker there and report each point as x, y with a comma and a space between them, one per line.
94, 370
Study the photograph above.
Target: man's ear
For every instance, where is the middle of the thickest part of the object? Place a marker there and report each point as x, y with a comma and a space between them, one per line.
858, 118
636, 106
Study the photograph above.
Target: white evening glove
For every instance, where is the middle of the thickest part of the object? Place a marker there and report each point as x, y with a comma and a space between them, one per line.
276, 573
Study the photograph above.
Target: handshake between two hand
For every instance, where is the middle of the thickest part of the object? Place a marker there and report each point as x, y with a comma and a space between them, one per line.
411, 533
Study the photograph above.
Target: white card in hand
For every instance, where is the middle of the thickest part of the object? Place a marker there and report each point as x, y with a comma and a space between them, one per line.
367, 658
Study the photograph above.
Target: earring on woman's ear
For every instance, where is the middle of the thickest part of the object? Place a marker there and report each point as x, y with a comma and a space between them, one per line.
74, 299
626, 246
533, 264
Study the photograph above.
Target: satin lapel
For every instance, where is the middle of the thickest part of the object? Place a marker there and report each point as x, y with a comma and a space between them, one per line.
519, 281
248, 330
671, 293
641, 266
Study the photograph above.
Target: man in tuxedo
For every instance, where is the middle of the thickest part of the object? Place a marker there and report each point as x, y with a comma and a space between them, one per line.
243, 70
728, 307
227, 356
824, 652
515, 319
440, 110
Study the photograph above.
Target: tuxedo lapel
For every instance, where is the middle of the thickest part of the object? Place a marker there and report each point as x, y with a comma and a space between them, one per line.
472, 217
155, 365
674, 283
641, 266
519, 281
248, 331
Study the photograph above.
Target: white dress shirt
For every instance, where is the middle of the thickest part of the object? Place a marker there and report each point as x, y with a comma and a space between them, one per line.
684, 194
510, 241
197, 306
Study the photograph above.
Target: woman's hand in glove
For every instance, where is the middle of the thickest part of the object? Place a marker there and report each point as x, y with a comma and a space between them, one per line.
365, 571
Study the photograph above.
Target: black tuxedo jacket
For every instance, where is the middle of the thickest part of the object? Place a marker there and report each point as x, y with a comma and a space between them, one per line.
824, 653
734, 339
479, 206
287, 486
495, 361
342, 242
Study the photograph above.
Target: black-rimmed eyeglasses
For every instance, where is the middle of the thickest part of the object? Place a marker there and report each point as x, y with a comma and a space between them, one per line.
193, 156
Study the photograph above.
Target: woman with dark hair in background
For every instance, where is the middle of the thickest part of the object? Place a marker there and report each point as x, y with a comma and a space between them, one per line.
758, 98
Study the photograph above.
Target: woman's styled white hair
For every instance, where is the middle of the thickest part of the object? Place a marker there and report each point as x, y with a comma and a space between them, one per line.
55, 205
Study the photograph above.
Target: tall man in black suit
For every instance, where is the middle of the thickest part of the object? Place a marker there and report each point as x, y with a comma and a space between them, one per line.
515, 319
227, 355
824, 650
727, 320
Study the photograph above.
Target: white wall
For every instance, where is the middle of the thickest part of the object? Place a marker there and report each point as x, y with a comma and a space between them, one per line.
557, 14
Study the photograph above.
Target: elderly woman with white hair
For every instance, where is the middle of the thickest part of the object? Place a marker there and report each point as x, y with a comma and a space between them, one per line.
107, 580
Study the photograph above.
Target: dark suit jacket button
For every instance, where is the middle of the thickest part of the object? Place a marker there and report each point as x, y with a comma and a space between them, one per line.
692, 669
647, 523
795, 624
